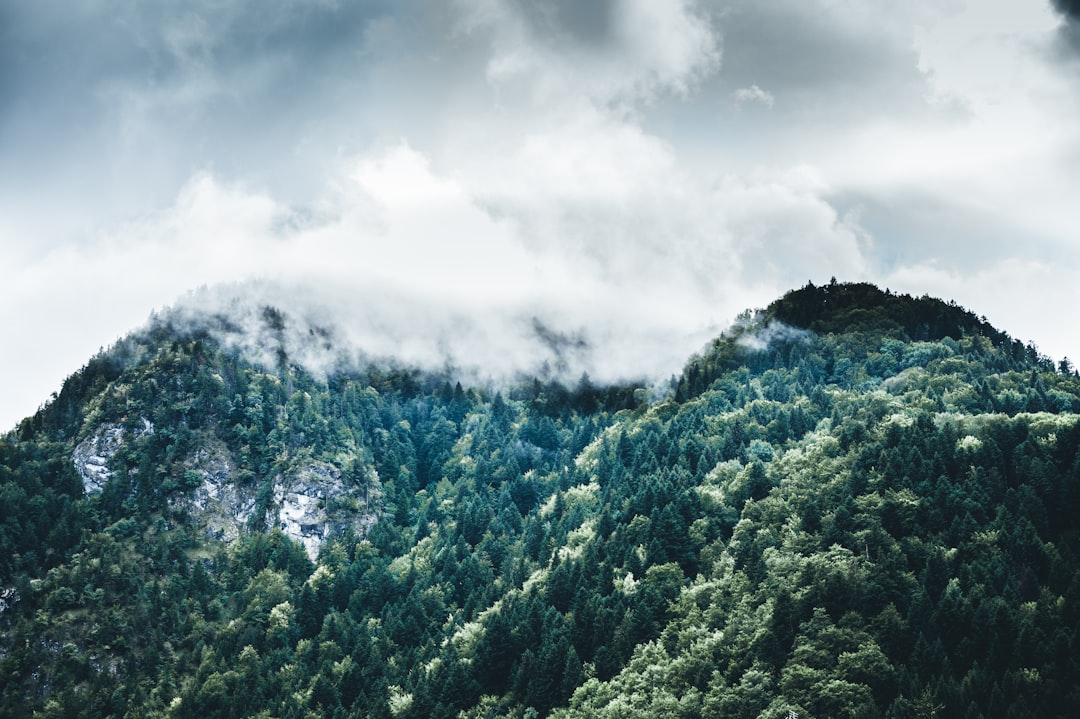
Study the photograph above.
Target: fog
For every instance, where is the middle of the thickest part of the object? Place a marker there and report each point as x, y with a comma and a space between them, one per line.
267, 323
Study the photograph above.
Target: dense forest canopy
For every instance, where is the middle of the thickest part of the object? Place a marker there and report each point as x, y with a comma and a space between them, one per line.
853, 504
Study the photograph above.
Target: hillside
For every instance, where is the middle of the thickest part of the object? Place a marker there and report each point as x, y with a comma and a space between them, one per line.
853, 504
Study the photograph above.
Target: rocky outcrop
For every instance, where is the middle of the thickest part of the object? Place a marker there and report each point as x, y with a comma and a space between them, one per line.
8, 597
91, 456
219, 502
310, 503
316, 502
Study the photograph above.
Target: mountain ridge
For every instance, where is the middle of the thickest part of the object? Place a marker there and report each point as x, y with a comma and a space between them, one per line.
853, 503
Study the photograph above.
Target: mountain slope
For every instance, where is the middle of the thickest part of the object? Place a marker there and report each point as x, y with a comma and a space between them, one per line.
854, 504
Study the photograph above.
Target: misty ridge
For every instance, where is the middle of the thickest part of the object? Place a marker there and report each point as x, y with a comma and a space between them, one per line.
329, 332
272, 324
424, 391
852, 503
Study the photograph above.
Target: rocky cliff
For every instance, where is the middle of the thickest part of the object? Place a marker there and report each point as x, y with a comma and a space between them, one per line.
310, 501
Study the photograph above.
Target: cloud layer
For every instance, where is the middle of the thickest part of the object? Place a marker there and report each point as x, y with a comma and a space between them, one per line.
465, 179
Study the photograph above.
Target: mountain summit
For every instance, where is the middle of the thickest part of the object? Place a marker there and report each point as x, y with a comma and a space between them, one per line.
852, 504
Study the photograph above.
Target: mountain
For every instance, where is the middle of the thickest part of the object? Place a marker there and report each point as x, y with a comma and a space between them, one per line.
854, 503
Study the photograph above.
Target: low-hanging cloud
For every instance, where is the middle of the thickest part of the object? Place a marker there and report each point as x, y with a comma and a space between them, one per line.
401, 262
272, 323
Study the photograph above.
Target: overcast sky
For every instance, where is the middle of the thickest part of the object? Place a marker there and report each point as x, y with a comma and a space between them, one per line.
631, 173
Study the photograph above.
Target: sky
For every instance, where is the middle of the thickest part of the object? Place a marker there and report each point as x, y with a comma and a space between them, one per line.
600, 185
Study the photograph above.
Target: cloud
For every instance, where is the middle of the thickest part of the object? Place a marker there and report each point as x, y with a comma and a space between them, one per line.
829, 60
629, 275
1070, 9
502, 183
753, 93
615, 52
1005, 292
762, 337
1069, 31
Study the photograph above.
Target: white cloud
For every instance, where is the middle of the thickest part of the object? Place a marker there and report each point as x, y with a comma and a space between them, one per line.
753, 94
643, 50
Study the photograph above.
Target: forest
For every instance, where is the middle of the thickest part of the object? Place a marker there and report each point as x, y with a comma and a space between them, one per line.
854, 504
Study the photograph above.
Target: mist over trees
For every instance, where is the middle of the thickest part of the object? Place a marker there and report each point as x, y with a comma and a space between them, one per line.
853, 504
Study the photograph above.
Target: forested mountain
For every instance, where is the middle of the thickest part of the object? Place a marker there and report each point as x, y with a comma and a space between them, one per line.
853, 504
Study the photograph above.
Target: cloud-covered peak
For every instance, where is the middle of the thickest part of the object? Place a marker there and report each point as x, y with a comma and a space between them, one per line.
330, 329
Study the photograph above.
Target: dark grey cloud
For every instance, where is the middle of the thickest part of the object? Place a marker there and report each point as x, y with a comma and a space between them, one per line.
1068, 35
1069, 8
117, 103
822, 60
63, 44
587, 23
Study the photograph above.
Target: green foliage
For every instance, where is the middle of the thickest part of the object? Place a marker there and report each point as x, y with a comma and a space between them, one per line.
865, 512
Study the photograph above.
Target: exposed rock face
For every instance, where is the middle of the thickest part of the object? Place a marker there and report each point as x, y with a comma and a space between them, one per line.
223, 505
8, 597
309, 504
91, 457
316, 502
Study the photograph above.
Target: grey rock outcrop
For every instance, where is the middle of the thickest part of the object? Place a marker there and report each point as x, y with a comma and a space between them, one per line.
310, 502
316, 502
91, 457
222, 504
